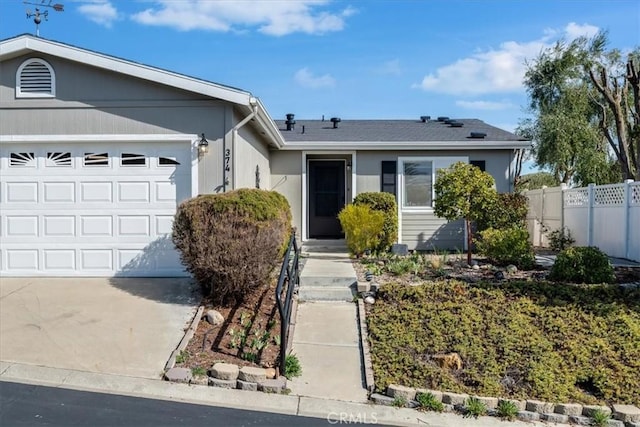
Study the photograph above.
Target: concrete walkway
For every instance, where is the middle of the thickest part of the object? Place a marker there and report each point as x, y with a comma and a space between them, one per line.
326, 336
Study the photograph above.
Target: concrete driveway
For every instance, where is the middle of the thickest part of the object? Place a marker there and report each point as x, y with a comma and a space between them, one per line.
106, 325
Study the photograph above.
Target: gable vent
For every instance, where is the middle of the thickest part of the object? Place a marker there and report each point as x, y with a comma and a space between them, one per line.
35, 79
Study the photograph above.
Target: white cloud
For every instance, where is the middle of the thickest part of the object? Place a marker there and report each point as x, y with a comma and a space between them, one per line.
390, 68
485, 105
498, 70
272, 17
100, 12
573, 30
305, 78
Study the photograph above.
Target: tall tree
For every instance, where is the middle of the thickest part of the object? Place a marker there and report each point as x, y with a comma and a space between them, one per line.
585, 100
618, 84
564, 129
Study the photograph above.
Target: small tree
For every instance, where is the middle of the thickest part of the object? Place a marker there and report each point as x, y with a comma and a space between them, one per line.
463, 192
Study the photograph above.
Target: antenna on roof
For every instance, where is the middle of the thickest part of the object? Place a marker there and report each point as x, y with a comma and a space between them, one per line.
37, 15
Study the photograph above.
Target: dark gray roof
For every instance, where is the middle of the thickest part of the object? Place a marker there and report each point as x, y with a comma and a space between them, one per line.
392, 131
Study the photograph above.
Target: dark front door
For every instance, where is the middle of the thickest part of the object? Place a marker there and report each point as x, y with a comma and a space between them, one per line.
326, 198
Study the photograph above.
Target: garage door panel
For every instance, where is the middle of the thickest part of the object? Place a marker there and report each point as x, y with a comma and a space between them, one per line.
59, 226
96, 259
135, 225
96, 192
22, 259
59, 259
22, 226
133, 192
96, 225
21, 192
59, 192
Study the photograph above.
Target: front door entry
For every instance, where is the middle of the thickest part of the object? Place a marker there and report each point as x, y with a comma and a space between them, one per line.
326, 198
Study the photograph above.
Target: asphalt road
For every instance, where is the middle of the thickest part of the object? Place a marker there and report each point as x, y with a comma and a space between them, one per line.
30, 405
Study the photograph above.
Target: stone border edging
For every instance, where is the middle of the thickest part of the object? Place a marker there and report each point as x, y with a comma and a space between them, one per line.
528, 410
185, 339
364, 345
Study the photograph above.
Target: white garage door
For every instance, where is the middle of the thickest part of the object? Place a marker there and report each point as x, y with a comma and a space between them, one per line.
97, 209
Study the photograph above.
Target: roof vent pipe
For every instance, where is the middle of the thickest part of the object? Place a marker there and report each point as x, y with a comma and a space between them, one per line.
290, 122
335, 121
443, 118
456, 124
425, 119
478, 135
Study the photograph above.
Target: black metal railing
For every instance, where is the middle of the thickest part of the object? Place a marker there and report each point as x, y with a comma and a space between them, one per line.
289, 276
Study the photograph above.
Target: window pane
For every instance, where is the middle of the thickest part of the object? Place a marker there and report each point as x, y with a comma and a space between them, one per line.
388, 184
417, 183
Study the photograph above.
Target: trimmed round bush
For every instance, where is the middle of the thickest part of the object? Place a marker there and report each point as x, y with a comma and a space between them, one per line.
507, 246
231, 242
385, 203
362, 227
582, 264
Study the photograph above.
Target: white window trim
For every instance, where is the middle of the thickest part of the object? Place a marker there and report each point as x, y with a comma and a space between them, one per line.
20, 94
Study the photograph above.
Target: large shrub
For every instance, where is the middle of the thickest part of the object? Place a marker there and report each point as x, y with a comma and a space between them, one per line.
362, 227
505, 211
385, 203
507, 246
230, 242
582, 265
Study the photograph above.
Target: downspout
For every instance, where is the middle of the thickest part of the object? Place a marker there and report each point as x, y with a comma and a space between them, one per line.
234, 132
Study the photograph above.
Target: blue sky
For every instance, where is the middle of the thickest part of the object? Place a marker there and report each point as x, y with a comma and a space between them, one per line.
375, 59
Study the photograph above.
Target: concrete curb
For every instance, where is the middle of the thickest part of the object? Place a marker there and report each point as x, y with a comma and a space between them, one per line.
185, 339
364, 346
333, 411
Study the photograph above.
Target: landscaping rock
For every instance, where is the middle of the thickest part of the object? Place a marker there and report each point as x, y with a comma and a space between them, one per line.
474, 263
214, 317
364, 286
632, 424
489, 402
375, 287
276, 385
448, 408
475, 267
626, 413
540, 406
216, 382
200, 380
528, 416
588, 410
499, 275
454, 398
179, 375
247, 385
370, 300
381, 399
254, 375
615, 423
225, 371
270, 373
398, 391
579, 420
511, 268
520, 404
569, 409
555, 418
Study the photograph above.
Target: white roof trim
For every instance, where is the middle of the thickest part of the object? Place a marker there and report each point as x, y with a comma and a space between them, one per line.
171, 137
405, 145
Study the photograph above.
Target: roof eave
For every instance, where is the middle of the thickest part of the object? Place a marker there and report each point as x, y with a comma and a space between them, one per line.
406, 145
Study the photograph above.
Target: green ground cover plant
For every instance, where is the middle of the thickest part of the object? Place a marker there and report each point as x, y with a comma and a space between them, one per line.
536, 340
428, 402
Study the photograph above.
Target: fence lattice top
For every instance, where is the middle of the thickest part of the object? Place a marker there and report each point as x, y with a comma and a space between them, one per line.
609, 195
603, 195
634, 193
576, 197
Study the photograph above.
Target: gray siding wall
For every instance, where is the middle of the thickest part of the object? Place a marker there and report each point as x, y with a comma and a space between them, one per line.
286, 178
425, 232
251, 152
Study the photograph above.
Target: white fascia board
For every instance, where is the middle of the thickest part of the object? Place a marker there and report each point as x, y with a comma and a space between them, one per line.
145, 72
172, 137
269, 125
408, 145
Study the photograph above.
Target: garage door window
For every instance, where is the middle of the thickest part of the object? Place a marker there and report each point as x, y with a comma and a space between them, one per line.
167, 161
96, 159
132, 159
22, 160
58, 159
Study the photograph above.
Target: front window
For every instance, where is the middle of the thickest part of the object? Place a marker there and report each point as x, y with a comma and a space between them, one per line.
418, 184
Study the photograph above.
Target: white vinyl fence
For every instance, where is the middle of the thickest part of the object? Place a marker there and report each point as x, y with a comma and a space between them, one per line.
605, 216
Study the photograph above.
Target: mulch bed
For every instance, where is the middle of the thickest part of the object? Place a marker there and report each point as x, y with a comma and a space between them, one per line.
213, 344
